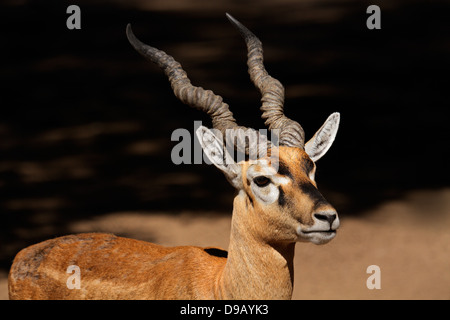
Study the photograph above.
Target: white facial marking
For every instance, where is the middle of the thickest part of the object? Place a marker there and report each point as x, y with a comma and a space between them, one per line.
278, 180
266, 194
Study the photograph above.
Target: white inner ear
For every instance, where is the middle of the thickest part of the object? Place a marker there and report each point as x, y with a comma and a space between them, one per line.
211, 145
218, 155
324, 137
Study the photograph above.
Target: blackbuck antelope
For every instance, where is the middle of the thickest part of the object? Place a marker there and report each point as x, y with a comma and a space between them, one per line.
272, 211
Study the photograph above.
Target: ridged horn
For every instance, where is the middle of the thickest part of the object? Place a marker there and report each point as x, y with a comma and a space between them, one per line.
272, 91
199, 98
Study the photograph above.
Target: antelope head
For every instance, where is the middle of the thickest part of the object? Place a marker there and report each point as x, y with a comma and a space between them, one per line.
278, 196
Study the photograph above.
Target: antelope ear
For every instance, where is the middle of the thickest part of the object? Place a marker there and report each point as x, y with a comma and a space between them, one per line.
324, 137
216, 152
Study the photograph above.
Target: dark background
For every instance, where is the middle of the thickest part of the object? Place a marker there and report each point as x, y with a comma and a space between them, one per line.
85, 122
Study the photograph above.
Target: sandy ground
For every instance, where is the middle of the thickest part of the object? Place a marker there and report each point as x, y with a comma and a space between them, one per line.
408, 239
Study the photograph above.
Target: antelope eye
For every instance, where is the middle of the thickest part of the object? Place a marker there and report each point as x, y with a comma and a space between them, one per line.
261, 181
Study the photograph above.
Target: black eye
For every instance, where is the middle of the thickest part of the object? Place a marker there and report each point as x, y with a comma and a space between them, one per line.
261, 181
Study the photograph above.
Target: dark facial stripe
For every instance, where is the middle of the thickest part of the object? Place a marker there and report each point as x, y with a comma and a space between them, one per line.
281, 197
314, 194
307, 165
283, 169
249, 201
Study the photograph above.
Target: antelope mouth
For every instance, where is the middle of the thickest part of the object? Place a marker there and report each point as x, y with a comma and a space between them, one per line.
319, 231
316, 236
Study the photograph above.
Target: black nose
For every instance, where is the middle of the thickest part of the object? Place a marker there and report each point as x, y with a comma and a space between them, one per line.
326, 216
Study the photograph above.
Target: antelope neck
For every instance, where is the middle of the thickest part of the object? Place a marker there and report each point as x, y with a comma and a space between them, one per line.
255, 269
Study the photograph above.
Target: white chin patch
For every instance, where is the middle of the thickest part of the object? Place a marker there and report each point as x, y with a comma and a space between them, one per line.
319, 237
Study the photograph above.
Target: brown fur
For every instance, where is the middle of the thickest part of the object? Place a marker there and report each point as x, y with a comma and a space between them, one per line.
113, 268
259, 263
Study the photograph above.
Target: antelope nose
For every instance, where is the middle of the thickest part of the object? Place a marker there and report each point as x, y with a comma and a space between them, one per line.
326, 216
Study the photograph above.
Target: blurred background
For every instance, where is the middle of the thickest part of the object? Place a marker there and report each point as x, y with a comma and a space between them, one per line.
85, 127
